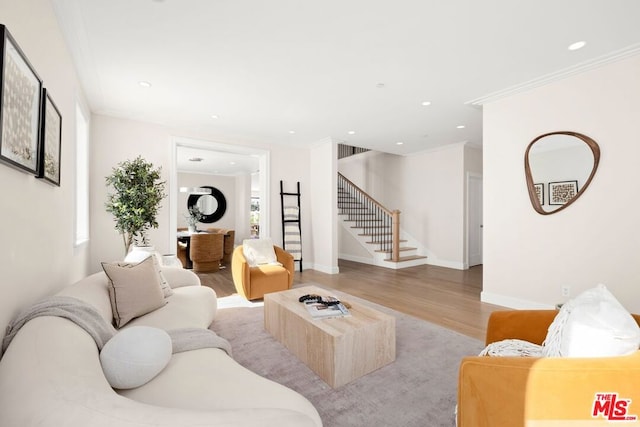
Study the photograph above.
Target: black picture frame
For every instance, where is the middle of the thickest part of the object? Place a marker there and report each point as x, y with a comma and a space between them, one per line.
50, 141
20, 107
561, 192
540, 192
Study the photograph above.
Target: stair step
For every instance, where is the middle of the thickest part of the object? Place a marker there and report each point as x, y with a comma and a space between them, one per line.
383, 242
403, 249
407, 258
365, 217
376, 234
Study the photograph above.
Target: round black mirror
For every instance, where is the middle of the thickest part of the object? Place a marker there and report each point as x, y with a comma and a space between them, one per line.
212, 206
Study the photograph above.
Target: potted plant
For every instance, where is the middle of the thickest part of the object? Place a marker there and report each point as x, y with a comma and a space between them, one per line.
136, 200
193, 218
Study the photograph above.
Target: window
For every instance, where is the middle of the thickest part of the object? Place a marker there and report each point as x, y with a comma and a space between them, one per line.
82, 178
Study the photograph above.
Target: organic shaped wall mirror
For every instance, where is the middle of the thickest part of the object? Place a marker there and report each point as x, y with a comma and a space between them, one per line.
559, 166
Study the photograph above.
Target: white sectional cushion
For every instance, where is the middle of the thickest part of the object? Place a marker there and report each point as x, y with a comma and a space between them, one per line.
166, 289
135, 355
259, 251
188, 307
594, 324
134, 289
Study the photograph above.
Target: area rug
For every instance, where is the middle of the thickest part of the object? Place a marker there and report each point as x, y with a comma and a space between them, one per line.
418, 389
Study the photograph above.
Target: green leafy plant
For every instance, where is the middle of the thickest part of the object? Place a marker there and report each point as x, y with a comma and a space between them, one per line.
136, 200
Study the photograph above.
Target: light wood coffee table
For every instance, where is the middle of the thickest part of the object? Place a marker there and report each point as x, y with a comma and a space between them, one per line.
338, 349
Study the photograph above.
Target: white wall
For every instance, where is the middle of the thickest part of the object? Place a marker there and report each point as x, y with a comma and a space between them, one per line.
37, 254
429, 190
117, 139
529, 257
242, 201
324, 233
291, 165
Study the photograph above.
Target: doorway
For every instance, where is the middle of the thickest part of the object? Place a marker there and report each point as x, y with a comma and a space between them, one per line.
474, 219
228, 157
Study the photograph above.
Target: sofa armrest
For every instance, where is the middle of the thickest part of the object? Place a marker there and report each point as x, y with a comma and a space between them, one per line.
543, 391
240, 272
527, 325
178, 277
567, 388
491, 391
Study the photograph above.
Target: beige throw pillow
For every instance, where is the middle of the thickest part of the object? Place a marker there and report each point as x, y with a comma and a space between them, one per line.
134, 289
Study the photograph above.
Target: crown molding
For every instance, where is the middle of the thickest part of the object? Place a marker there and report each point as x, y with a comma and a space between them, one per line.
614, 56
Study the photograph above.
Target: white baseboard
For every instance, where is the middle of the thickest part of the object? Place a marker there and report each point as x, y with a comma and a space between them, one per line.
447, 264
511, 302
321, 268
362, 260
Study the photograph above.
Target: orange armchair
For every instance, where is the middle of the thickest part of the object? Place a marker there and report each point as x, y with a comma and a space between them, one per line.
545, 392
253, 282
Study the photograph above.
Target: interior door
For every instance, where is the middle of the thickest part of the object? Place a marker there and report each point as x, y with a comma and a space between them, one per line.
474, 189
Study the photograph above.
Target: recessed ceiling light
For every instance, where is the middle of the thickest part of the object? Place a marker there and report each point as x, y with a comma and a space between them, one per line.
426, 103
215, 116
232, 163
292, 132
352, 132
144, 83
460, 126
196, 159
399, 143
577, 45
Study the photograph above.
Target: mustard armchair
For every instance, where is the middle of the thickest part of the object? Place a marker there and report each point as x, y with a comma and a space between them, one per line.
253, 282
545, 392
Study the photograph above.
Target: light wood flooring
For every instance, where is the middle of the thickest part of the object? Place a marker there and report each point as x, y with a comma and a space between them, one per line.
444, 296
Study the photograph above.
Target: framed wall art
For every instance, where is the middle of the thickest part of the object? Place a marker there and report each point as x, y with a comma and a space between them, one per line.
50, 141
562, 192
20, 98
540, 192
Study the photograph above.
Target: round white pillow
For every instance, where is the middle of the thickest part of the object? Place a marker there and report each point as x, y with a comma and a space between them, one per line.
135, 355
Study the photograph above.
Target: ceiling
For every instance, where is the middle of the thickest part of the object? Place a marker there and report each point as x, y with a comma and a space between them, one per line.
199, 160
298, 71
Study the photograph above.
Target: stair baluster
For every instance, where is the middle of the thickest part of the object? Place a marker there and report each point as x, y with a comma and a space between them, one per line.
380, 224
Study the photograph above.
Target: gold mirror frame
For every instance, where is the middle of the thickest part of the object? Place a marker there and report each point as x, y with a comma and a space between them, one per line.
595, 150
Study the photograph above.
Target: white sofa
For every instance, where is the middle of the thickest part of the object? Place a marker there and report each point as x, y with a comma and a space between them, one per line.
51, 374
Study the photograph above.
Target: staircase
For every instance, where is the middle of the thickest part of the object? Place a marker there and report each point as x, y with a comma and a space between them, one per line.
375, 226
